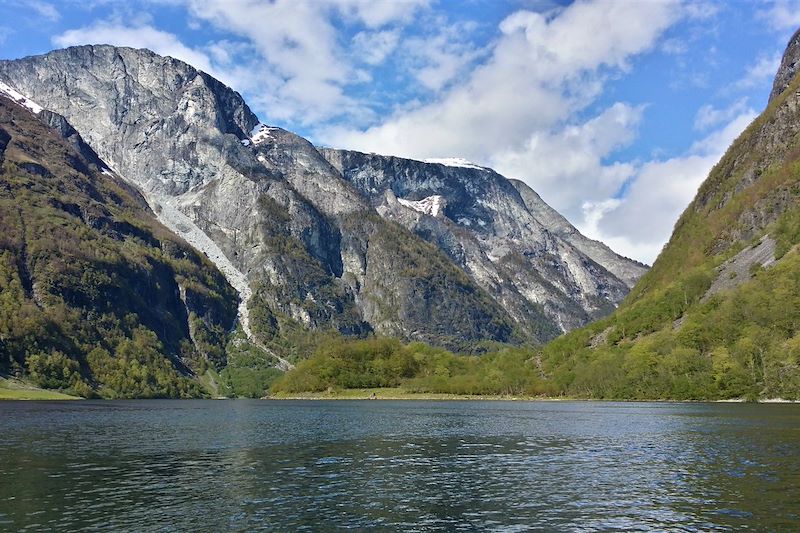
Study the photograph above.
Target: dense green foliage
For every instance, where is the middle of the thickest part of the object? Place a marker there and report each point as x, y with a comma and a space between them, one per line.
417, 367
138, 369
739, 343
249, 372
96, 297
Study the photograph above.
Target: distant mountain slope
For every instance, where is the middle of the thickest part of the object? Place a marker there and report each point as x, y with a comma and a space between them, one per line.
718, 315
93, 290
627, 270
499, 232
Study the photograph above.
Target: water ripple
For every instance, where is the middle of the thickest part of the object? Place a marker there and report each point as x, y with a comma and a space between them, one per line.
422, 466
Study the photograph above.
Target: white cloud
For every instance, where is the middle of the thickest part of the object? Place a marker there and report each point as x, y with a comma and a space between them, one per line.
701, 10
45, 10
675, 46
227, 52
709, 116
372, 47
436, 60
5, 32
540, 71
375, 14
567, 165
638, 224
782, 14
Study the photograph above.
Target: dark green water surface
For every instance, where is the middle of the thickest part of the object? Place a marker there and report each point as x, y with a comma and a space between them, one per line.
382, 465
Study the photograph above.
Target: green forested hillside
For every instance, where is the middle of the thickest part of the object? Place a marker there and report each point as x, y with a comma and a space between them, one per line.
416, 367
96, 297
672, 337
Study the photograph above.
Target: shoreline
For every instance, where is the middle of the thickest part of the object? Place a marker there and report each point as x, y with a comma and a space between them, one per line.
12, 389
395, 394
401, 394
16, 390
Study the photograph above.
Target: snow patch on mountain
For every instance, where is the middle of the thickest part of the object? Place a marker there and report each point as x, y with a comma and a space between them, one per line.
261, 133
19, 98
432, 205
454, 162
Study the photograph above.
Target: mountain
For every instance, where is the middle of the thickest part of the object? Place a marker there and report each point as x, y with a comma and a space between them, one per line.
498, 231
718, 315
94, 291
300, 234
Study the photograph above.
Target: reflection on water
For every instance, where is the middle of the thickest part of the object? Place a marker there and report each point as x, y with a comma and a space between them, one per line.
510, 466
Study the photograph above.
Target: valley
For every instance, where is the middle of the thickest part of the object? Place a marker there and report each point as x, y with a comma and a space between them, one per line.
354, 270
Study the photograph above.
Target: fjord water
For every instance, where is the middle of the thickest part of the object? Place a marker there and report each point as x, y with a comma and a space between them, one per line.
425, 466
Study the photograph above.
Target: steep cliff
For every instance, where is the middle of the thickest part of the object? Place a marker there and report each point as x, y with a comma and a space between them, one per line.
93, 290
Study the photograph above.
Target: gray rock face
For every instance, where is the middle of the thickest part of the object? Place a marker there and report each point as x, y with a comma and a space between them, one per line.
500, 232
627, 270
739, 269
327, 238
790, 65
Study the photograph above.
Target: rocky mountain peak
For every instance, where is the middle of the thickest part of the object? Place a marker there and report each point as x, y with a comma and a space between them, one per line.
144, 95
790, 65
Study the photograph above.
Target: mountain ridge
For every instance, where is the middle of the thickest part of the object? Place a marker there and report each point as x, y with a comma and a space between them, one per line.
296, 229
483, 221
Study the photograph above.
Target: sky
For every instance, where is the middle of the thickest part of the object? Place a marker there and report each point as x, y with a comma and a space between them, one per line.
613, 111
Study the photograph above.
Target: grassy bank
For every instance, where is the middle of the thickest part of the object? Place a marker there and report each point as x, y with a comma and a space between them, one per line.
395, 393
399, 393
12, 389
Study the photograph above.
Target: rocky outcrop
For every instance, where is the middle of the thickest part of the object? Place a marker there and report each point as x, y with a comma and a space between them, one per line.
790, 65
739, 269
310, 237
